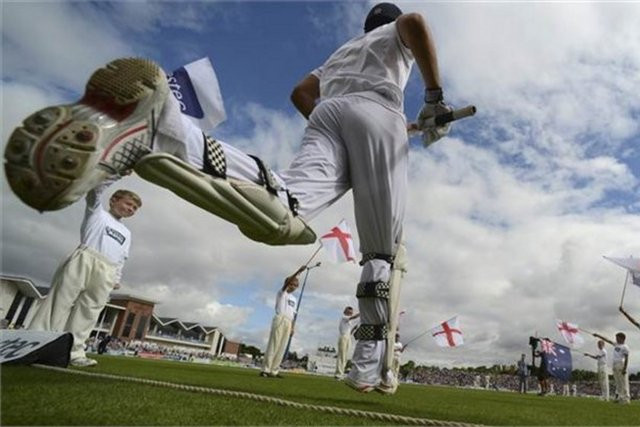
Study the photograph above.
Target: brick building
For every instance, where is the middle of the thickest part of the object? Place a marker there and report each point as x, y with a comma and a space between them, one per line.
126, 316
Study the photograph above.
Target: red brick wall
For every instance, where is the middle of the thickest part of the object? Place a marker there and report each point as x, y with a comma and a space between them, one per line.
231, 347
139, 309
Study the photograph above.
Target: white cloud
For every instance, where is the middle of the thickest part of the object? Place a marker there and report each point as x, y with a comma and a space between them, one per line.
507, 219
62, 49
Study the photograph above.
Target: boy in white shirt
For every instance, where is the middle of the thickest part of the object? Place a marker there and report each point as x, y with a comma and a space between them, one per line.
603, 376
281, 326
82, 283
345, 328
620, 364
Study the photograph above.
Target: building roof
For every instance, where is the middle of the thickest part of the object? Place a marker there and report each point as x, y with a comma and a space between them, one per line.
44, 290
131, 297
26, 286
185, 326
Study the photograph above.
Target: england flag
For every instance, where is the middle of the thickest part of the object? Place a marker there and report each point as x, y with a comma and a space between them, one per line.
448, 334
338, 244
570, 332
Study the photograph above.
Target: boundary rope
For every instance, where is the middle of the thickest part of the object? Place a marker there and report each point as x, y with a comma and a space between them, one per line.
261, 398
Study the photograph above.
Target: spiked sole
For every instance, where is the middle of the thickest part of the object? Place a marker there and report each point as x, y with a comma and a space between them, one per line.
58, 146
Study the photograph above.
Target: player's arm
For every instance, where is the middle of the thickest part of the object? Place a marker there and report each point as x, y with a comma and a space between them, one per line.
415, 34
293, 276
590, 355
94, 195
607, 340
305, 95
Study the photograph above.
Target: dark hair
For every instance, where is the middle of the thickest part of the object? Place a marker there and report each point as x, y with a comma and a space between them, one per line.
621, 335
381, 14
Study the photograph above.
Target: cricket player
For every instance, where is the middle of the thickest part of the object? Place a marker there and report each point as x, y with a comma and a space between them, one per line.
281, 326
620, 365
348, 323
603, 376
356, 139
81, 285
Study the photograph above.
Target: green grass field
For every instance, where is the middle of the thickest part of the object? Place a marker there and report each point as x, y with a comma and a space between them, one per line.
33, 396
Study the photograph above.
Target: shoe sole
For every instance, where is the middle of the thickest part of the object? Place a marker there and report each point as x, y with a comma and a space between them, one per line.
362, 388
386, 390
109, 126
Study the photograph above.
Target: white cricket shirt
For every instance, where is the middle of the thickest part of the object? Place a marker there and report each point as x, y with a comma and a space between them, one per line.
286, 304
602, 358
376, 61
102, 232
619, 353
346, 325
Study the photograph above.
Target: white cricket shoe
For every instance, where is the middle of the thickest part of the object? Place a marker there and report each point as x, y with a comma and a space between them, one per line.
361, 387
83, 362
61, 152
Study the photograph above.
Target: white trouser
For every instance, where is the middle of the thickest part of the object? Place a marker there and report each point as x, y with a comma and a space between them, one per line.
622, 382
79, 291
356, 142
280, 331
603, 380
344, 347
359, 143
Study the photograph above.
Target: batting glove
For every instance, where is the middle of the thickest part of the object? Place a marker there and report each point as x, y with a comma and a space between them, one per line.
434, 106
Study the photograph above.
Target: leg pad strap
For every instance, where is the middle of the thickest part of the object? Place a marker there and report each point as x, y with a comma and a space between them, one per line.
377, 289
371, 333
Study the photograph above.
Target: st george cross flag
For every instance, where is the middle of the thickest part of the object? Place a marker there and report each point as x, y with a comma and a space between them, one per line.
570, 333
556, 359
338, 244
631, 264
448, 334
196, 88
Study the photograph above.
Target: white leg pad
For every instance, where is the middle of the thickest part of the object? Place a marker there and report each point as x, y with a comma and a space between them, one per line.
259, 215
397, 273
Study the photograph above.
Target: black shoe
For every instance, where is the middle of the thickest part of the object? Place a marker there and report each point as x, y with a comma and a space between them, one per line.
264, 374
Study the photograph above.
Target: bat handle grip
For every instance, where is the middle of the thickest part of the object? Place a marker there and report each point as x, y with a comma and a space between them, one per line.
451, 116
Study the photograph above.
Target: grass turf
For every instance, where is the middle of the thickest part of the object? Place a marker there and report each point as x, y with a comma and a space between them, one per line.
35, 396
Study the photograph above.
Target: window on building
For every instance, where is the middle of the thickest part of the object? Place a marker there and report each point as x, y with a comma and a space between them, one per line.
142, 324
23, 312
14, 307
128, 324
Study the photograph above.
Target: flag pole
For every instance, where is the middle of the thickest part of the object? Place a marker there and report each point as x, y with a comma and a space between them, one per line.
312, 257
419, 336
295, 315
585, 331
626, 280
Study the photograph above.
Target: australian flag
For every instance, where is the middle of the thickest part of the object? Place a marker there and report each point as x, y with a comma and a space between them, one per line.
557, 359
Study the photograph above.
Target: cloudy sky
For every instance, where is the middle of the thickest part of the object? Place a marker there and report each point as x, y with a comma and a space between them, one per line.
508, 217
